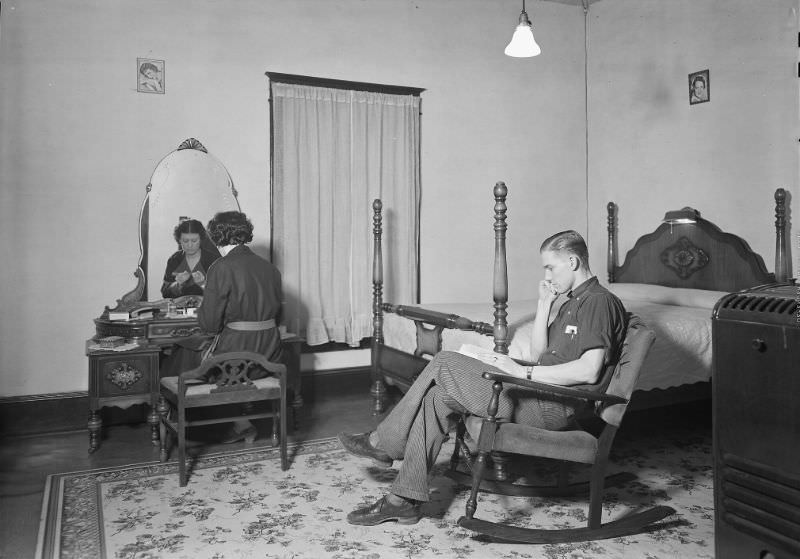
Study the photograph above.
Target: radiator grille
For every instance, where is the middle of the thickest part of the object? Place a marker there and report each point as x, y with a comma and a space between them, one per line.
761, 501
778, 306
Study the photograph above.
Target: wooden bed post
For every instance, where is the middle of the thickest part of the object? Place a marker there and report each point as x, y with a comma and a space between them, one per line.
781, 265
611, 264
500, 329
378, 389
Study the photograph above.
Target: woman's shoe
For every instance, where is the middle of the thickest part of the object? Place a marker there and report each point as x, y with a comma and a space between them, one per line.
233, 436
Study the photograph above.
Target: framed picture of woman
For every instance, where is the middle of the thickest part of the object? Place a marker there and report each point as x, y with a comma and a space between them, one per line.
699, 87
149, 75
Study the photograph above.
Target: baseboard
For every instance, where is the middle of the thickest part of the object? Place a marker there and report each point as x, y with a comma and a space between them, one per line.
68, 411
335, 383
44, 413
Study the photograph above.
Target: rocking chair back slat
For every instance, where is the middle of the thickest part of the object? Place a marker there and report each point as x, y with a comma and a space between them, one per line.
638, 340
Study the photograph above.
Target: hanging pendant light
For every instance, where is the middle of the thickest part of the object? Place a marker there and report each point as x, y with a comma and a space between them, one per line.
523, 44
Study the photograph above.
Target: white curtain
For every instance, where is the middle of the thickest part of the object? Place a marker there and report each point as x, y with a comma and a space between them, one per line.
334, 152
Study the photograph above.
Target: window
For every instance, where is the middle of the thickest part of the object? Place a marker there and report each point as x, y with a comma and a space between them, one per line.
337, 146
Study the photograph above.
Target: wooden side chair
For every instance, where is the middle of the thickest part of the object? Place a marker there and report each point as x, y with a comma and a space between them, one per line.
233, 384
570, 446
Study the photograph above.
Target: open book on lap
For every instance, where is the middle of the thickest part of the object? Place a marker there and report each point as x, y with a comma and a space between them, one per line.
484, 355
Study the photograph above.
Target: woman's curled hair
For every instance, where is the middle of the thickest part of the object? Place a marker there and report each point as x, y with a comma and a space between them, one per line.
189, 226
230, 228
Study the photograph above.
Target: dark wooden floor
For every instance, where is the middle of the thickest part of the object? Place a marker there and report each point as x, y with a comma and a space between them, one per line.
336, 403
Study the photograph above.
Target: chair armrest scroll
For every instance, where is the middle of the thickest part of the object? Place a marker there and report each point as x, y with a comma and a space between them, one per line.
556, 389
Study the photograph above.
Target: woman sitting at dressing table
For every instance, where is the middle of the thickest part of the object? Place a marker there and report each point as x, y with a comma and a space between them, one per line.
186, 269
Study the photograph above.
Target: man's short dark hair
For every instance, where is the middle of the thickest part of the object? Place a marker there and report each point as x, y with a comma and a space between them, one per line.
570, 242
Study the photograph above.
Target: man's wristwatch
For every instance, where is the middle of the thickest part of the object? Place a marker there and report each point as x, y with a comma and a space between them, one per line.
528, 372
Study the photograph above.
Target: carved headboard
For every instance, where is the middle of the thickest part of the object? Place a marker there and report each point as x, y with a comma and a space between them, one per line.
696, 255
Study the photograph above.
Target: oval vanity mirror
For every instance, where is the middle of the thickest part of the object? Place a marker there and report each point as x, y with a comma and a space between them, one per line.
187, 183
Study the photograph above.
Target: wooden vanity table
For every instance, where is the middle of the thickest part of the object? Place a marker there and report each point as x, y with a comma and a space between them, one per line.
129, 374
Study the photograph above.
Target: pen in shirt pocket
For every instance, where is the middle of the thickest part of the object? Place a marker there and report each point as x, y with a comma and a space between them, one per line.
571, 330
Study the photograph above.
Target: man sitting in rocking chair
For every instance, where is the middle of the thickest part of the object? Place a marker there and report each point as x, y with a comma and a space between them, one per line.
580, 347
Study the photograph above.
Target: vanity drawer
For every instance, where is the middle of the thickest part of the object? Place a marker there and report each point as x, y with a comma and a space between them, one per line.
178, 328
127, 375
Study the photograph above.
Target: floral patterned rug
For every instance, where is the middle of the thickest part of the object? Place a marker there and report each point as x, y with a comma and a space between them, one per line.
241, 505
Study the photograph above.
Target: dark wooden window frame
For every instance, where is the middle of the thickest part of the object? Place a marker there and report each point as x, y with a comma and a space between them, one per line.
275, 77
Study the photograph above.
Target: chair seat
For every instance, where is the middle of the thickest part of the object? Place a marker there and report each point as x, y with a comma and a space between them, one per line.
575, 446
204, 389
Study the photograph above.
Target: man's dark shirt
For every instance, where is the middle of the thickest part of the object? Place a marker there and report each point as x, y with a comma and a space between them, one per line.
591, 317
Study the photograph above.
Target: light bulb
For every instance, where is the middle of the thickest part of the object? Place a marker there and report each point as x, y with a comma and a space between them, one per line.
522, 43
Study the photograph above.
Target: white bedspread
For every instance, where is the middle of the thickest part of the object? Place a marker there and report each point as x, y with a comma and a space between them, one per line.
680, 355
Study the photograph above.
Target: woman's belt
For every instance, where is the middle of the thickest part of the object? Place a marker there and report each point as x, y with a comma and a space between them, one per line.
252, 326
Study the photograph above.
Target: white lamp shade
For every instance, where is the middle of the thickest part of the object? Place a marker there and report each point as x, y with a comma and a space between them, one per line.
523, 44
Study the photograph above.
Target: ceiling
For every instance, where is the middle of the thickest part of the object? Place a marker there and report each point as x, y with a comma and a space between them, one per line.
573, 2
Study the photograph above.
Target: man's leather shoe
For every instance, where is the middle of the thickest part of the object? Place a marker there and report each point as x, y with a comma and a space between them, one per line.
360, 446
234, 436
383, 511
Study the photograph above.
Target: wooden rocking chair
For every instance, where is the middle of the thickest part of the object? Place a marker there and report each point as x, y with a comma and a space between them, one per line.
577, 445
233, 385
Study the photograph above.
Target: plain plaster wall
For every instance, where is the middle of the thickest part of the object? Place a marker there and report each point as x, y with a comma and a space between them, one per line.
650, 151
78, 143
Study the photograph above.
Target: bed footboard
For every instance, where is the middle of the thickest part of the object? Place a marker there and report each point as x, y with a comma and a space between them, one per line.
394, 367
430, 324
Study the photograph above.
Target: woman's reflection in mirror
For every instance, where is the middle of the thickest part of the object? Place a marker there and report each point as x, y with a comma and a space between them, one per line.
186, 269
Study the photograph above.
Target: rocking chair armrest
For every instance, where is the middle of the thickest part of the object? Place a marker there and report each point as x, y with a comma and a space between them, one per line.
556, 389
523, 362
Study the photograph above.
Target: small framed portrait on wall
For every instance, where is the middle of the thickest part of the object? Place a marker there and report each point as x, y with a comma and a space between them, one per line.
149, 75
699, 87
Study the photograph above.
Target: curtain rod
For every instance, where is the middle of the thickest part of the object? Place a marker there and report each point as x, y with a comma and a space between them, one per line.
343, 84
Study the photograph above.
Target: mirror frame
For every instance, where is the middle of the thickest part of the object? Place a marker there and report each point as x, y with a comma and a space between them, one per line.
138, 296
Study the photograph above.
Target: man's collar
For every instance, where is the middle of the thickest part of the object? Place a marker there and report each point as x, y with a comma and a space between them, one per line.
226, 249
581, 289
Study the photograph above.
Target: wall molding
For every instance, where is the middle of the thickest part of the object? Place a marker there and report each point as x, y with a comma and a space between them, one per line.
60, 412
43, 397
43, 413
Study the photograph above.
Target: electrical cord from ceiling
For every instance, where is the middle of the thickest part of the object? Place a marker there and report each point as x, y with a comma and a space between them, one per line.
586, 108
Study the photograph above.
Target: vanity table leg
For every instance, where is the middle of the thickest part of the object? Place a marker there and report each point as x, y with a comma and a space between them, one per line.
95, 426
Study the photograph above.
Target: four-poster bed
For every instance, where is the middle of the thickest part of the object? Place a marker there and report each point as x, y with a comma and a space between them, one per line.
671, 278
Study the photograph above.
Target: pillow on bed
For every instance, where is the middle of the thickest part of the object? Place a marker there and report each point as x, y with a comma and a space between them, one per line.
680, 296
